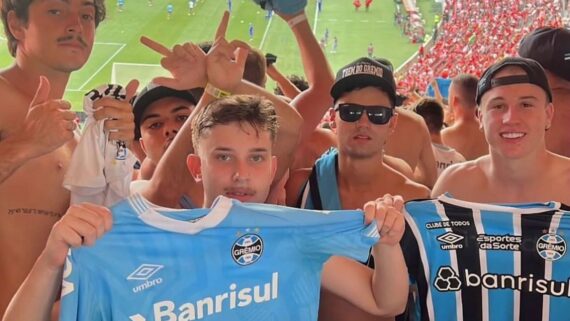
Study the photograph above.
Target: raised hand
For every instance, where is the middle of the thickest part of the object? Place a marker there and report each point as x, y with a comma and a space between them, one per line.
118, 115
387, 211
186, 63
49, 123
82, 225
225, 63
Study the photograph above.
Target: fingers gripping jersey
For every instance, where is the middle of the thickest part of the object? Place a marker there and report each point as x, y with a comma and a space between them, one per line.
246, 262
488, 262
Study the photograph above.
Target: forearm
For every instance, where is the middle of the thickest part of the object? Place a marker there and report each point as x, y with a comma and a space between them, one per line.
14, 153
290, 123
314, 102
315, 64
286, 86
40, 290
390, 279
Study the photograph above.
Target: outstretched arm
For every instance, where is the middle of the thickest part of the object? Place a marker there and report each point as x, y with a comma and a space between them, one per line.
82, 225
384, 290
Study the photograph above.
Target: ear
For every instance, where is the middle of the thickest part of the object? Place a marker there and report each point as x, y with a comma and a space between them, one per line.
332, 117
479, 116
393, 122
549, 115
15, 25
194, 165
141, 142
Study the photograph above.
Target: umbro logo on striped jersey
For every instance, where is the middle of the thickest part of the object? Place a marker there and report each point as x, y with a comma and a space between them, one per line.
450, 241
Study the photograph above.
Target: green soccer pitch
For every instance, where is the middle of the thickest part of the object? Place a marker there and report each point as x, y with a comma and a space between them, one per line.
118, 55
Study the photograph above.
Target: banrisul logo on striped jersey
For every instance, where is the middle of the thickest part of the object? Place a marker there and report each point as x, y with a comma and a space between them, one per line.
551, 247
449, 279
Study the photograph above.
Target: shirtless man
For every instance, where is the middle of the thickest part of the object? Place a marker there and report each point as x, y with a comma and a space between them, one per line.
364, 117
515, 111
49, 40
411, 143
551, 48
464, 135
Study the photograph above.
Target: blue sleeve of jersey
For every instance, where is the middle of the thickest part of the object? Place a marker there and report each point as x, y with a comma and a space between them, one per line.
78, 297
340, 233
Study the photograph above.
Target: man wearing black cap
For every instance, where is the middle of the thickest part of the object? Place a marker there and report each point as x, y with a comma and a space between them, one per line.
551, 48
364, 117
515, 111
159, 114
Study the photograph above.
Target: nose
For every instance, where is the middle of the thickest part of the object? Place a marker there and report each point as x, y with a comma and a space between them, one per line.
74, 22
511, 114
170, 130
240, 171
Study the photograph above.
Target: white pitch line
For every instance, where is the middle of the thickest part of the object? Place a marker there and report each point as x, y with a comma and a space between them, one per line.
101, 67
316, 19
266, 33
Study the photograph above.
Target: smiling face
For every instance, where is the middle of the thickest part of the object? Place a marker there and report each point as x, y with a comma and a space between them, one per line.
514, 117
362, 138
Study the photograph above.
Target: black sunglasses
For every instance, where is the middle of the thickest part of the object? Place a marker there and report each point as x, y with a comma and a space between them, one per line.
378, 115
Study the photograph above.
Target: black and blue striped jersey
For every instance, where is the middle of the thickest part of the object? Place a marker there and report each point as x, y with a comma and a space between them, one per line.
482, 262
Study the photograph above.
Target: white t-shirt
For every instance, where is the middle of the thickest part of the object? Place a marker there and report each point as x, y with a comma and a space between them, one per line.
100, 171
445, 156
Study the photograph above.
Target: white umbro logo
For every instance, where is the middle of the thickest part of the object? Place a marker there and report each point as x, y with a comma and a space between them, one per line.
567, 56
450, 238
144, 272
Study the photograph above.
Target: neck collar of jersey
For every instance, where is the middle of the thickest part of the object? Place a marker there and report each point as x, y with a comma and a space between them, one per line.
523, 208
149, 213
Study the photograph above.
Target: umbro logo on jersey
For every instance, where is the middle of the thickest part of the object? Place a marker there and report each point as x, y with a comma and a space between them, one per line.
450, 241
143, 273
567, 56
247, 249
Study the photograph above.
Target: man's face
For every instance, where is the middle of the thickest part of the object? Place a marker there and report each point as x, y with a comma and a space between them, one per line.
234, 160
59, 33
362, 138
514, 117
160, 123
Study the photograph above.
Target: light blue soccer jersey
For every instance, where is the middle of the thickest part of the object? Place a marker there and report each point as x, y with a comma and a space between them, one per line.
481, 262
238, 262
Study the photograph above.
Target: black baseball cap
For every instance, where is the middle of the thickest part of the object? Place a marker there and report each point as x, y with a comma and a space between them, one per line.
550, 47
152, 93
534, 75
364, 72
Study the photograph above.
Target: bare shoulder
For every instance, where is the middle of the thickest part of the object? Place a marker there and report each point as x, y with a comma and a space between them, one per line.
460, 178
400, 165
414, 191
405, 187
295, 184
563, 168
407, 118
13, 106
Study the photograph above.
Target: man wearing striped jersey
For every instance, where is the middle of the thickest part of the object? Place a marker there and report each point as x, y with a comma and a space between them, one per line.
503, 262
